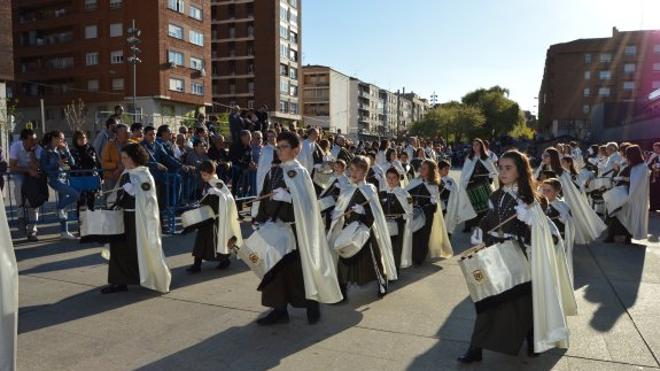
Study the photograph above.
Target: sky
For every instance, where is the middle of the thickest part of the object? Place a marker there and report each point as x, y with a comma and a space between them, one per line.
451, 47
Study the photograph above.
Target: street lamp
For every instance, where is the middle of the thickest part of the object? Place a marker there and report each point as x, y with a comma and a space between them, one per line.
133, 40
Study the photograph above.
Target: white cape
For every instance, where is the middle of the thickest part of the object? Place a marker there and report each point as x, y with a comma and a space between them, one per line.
379, 228
403, 197
264, 165
552, 293
318, 266
566, 217
588, 226
634, 214
468, 169
154, 273
228, 226
8, 295
459, 207
306, 155
612, 160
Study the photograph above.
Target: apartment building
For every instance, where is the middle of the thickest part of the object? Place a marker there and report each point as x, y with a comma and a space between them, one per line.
326, 99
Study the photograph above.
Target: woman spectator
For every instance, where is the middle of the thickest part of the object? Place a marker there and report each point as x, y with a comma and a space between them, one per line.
195, 158
85, 164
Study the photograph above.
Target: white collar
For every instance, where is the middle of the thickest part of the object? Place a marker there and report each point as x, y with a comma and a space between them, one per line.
512, 190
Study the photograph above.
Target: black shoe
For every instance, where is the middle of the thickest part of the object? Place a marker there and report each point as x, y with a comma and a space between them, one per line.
531, 353
194, 269
473, 354
313, 314
381, 292
224, 264
274, 317
112, 288
609, 239
628, 241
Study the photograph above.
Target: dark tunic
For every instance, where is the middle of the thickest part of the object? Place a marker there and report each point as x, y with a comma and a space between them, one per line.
344, 155
654, 188
415, 164
317, 155
410, 172
444, 194
359, 268
284, 283
554, 215
505, 320
372, 178
478, 179
394, 211
207, 233
123, 268
420, 243
616, 228
332, 191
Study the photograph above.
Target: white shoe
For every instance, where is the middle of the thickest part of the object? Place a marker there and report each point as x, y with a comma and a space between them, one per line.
67, 236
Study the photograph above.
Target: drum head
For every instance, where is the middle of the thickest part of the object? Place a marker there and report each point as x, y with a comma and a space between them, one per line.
419, 220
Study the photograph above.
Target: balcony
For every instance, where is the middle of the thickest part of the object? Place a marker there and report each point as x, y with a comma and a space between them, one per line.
47, 39
42, 14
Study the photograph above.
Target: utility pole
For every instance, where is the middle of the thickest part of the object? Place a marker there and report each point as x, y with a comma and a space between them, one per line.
133, 40
434, 98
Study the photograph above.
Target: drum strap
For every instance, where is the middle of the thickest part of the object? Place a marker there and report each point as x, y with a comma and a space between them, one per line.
382, 283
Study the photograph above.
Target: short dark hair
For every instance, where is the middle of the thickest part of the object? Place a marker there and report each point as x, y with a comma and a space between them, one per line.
200, 129
137, 153
634, 155
162, 129
392, 171
120, 126
77, 135
360, 162
136, 126
443, 164
110, 121
554, 183
289, 137
27, 133
207, 166
149, 128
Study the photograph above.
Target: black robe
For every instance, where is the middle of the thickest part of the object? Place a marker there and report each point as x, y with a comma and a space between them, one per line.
420, 243
394, 211
554, 215
615, 227
207, 233
123, 268
332, 191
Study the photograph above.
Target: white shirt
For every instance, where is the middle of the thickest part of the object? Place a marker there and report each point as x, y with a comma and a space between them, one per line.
23, 157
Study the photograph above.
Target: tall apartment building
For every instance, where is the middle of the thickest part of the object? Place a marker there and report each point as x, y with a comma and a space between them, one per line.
418, 106
77, 49
256, 54
326, 98
6, 69
388, 114
593, 84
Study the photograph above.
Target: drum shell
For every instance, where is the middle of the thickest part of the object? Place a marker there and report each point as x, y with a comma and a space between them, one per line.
101, 225
267, 246
197, 216
495, 269
615, 198
419, 220
599, 183
351, 239
392, 227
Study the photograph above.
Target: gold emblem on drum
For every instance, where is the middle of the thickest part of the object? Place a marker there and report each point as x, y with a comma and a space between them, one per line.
478, 275
253, 258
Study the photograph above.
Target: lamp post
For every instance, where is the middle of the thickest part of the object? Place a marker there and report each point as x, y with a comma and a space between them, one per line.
133, 40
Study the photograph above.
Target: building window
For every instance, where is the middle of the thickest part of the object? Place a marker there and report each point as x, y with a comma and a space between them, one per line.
196, 38
175, 31
117, 57
284, 106
629, 68
90, 4
284, 86
232, 32
605, 75
116, 30
293, 3
196, 13
293, 108
250, 67
197, 88
284, 70
630, 50
587, 92
293, 73
114, 4
293, 37
250, 104
250, 30
196, 63
92, 59
656, 66
175, 57
251, 87
176, 5
587, 75
587, 58
284, 14
284, 32
91, 32
585, 108
628, 85
284, 51
177, 85
293, 55
118, 84
604, 92
232, 89
606, 57
293, 91
93, 85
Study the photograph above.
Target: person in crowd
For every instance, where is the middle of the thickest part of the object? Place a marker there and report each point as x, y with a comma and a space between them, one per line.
257, 148
180, 149
456, 205
85, 163
138, 258
266, 160
560, 214
631, 220
405, 164
294, 200
56, 162
417, 160
118, 115
240, 154
24, 157
235, 124
161, 163
111, 158
198, 155
201, 133
381, 157
338, 151
568, 163
137, 135
397, 206
215, 237
200, 121
213, 124
262, 118
534, 311
187, 134
328, 198
392, 162
476, 178
220, 154
371, 258
653, 163
104, 136
411, 148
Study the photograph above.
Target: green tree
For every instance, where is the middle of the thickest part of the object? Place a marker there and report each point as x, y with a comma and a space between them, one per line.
453, 120
502, 114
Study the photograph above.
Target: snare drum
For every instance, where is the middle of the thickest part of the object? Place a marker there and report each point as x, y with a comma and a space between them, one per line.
615, 198
392, 227
195, 218
351, 239
492, 270
419, 219
598, 184
101, 226
266, 247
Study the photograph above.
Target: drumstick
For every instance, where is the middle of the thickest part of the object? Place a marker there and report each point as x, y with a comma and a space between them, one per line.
503, 223
365, 203
259, 198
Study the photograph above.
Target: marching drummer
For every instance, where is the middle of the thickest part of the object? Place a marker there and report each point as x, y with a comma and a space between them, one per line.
560, 213
476, 177
456, 206
397, 206
214, 237
328, 197
506, 319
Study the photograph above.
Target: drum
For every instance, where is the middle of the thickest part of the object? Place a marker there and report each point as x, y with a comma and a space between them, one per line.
479, 196
597, 184
326, 203
615, 198
323, 176
351, 239
101, 226
392, 227
492, 270
419, 220
195, 218
266, 247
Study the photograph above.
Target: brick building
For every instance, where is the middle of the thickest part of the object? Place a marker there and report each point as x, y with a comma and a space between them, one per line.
257, 56
6, 67
591, 84
70, 49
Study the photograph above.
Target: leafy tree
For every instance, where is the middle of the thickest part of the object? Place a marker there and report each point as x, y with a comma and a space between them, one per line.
502, 114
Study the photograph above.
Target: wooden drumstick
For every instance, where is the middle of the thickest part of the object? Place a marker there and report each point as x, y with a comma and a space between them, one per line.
259, 198
365, 203
502, 224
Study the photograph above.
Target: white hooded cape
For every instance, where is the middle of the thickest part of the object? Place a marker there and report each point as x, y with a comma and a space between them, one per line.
228, 226
439, 244
552, 293
588, 226
396, 164
306, 155
8, 295
613, 159
318, 266
410, 150
566, 217
154, 273
264, 165
634, 214
379, 227
403, 196
468, 169
459, 207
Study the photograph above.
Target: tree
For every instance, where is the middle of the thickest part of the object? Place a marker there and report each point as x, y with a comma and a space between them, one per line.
453, 120
74, 113
502, 114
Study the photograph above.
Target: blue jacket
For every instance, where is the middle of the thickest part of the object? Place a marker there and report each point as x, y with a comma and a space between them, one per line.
50, 162
158, 155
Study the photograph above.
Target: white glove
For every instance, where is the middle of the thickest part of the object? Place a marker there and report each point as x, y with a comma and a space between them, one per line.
317, 166
618, 178
477, 237
281, 194
128, 188
358, 209
523, 214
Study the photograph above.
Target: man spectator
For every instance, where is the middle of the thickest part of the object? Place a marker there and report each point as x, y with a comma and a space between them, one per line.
136, 133
160, 163
24, 162
257, 140
104, 135
111, 158
235, 124
187, 134
262, 117
200, 121
213, 124
198, 155
119, 114
220, 154
241, 158
202, 134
